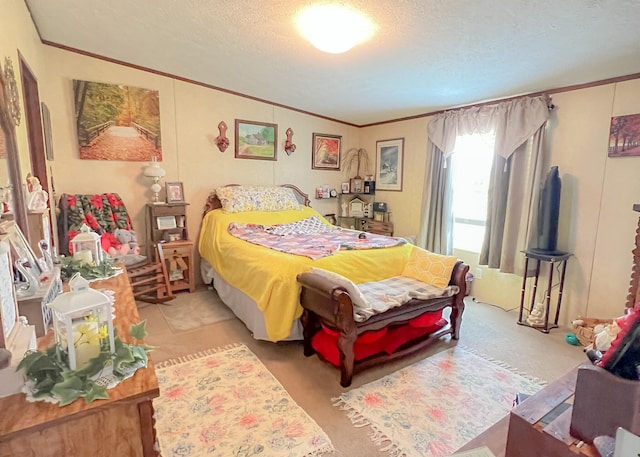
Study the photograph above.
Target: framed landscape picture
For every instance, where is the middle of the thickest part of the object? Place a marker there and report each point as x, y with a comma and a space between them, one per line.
389, 163
624, 136
325, 152
256, 140
116, 122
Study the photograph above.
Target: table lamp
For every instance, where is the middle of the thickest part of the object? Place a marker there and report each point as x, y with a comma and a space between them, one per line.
155, 172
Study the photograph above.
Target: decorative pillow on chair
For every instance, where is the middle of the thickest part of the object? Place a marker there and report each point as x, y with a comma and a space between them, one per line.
429, 267
235, 199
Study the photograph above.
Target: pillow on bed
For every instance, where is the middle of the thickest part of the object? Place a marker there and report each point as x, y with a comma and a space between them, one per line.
429, 267
235, 199
361, 308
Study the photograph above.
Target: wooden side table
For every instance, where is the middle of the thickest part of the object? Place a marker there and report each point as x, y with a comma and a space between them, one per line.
552, 258
165, 221
121, 425
180, 264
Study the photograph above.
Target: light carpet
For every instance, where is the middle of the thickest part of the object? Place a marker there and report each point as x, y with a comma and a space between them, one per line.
224, 402
190, 311
435, 406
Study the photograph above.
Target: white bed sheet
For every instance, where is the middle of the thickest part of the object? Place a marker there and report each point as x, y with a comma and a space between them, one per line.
243, 306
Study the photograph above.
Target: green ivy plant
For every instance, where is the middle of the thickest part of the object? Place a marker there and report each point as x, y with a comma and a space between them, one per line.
53, 378
89, 271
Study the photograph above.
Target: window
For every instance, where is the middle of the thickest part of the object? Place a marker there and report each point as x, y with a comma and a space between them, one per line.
471, 170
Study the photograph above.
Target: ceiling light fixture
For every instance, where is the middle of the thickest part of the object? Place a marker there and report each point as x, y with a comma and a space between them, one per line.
334, 29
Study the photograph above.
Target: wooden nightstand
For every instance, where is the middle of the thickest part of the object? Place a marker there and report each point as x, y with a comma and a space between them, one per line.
381, 228
180, 264
164, 222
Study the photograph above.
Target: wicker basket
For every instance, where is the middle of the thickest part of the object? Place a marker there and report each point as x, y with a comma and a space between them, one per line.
584, 331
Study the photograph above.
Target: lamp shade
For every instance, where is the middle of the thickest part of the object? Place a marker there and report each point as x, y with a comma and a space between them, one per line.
154, 170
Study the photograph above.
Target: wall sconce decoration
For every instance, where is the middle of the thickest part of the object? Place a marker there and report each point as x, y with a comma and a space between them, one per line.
222, 141
11, 90
289, 147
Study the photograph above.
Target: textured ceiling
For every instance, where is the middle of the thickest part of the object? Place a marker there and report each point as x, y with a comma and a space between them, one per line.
426, 55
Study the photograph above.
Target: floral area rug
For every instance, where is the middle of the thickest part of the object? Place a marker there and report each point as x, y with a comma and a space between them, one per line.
437, 405
225, 402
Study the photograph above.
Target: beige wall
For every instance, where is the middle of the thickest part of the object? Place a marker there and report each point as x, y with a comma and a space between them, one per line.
189, 116
597, 223
18, 34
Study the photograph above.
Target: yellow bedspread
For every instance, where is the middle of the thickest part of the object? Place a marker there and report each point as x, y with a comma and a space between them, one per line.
269, 276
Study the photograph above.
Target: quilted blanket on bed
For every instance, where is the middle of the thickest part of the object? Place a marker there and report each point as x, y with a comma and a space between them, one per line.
309, 238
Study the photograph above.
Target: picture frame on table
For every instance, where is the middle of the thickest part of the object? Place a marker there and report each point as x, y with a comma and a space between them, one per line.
256, 140
166, 222
389, 164
326, 151
175, 192
20, 247
345, 187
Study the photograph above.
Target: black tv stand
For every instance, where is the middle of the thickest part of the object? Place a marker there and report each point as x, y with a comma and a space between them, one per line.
552, 257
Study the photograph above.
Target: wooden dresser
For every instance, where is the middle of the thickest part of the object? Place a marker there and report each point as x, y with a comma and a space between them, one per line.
523, 433
123, 425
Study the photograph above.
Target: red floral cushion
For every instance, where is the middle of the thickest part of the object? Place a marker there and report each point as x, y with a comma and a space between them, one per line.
325, 342
103, 213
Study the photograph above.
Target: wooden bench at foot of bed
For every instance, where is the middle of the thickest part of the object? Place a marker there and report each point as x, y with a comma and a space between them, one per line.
328, 307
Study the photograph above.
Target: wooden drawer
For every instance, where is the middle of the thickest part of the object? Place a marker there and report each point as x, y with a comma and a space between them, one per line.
381, 228
168, 210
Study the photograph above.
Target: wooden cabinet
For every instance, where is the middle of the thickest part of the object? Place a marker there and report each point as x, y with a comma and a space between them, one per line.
180, 264
363, 219
166, 222
352, 210
381, 228
122, 425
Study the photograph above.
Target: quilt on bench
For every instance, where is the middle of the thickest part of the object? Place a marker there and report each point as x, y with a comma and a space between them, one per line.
375, 297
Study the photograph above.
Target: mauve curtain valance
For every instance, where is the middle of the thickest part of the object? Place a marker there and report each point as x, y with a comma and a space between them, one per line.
514, 121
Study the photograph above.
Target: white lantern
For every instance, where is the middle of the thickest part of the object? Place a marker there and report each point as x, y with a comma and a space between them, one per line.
86, 246
82, 323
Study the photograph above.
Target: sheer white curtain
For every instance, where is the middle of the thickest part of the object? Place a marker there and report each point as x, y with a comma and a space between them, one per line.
514, 182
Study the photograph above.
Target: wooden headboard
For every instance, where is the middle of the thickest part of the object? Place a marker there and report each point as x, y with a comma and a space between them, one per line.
214, 203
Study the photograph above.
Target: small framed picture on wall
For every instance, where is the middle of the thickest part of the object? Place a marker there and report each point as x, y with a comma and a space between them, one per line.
390, 161
345, 187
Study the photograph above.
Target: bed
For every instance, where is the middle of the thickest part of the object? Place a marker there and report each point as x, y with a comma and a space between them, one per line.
259, 284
